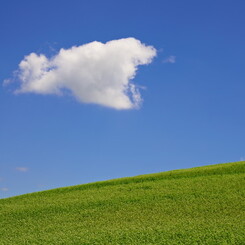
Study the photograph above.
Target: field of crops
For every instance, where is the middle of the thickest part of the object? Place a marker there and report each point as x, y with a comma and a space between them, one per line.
203, 205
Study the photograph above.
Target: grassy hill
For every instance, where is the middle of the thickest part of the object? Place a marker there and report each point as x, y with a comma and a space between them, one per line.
203, 205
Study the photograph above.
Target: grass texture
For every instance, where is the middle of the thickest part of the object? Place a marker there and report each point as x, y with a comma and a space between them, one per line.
203, 205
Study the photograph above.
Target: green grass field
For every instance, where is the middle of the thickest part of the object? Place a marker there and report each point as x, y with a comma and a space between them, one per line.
203, 205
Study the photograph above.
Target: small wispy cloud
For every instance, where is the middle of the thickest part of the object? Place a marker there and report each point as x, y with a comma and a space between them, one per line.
41, 186
22, 169
4, 189
242, 159
6, 82
170, 59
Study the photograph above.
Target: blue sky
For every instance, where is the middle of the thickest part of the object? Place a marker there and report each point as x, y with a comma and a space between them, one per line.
193, 92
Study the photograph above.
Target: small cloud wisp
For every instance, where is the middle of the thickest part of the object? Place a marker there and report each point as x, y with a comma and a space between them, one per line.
21, 169
171, 59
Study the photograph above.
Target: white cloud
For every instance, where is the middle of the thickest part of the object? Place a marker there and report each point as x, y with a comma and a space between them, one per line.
242, 159
4, 189
22, 169
171, 59
93, 73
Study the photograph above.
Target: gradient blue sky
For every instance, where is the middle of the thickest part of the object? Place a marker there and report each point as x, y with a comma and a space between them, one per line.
193, 110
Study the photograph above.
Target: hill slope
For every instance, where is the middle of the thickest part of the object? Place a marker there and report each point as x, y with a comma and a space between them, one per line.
203, 205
